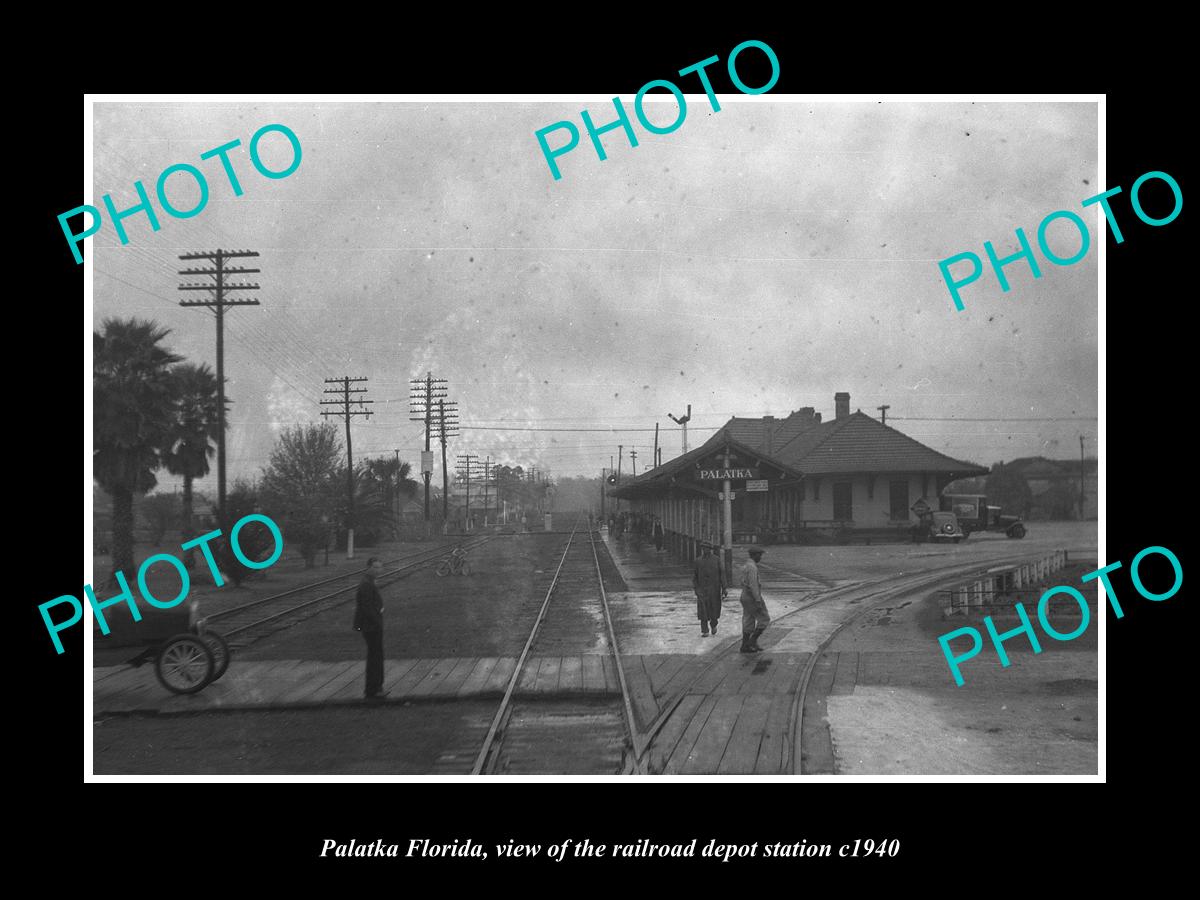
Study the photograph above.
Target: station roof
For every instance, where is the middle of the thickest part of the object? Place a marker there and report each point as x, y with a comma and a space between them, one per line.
858, 443
802, 446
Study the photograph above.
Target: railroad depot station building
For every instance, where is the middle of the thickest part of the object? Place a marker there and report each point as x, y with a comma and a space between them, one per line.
795, 480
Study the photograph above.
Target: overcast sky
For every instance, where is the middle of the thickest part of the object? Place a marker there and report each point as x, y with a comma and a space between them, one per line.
755, 261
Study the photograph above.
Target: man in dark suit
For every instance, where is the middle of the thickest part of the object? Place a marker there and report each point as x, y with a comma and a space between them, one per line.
708, 581
368, 618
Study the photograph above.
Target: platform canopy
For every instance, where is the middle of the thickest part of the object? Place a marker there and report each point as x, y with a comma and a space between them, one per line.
702, 472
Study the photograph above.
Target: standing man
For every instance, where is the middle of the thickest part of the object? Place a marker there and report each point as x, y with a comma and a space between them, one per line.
708, 580
368, 618
754, 612
657, 530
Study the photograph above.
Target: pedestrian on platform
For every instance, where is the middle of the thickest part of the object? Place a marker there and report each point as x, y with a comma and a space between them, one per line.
708, 580
658, 534
754, 612
368, 618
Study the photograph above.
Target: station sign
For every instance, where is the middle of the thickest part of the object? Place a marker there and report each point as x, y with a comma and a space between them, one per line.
426, 462
759, 485
920, 507
722, 474
732, 495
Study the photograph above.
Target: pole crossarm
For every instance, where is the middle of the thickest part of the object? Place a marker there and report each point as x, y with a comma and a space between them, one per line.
219, 302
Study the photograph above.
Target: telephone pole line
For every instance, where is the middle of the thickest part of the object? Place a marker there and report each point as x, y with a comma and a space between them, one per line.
883, 411
423, 396
347, 412
447, 427
218, 302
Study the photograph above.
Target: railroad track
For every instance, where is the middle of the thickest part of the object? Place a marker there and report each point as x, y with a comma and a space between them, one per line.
531, 735
244, 624
888, 589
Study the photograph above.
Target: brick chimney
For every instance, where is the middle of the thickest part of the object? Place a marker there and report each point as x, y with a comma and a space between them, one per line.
841, 405
768, 423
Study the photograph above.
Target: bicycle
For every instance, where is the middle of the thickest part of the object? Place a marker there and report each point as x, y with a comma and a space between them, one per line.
454, 564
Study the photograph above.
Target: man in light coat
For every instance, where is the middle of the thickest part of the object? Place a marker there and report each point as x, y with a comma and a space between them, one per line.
754, 612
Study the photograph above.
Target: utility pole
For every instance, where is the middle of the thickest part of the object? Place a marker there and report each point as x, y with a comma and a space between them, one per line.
218, 302
1082, 494
447, 428
423, 394
620, 461
883, 410
603, 481
464, 470
654, 459
728, 542
633, 461
683, 420
346, 412
396, 450
487, 464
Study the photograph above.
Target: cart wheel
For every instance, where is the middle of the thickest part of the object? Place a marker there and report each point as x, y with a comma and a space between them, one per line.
443, 569
1017, 531
220, 652
185, 664
465, 568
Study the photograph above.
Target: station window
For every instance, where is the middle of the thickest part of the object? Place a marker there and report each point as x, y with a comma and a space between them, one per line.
842, 509
899, 496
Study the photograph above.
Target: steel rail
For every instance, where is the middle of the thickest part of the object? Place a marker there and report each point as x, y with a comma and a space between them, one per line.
822, 597
225, 613
490, 738
631, 723
919, 582
291, 609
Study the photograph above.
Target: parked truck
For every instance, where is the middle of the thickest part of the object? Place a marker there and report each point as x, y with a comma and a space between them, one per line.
974, 514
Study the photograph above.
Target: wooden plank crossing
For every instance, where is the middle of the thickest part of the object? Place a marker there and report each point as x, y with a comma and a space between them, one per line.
474, 682
714, 736
641, 691
847, 673
732, 717
592, 668
816, 739
296, 682
741, 753
570, 674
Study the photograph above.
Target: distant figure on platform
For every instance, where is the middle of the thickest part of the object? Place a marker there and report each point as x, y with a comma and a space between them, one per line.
368, 618
657, 530
708, 579
754, 612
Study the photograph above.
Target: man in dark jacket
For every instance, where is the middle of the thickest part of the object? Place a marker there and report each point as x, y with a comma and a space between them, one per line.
368, 618
708, 580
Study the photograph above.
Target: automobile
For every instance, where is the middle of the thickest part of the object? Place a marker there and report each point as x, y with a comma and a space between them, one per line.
938, 527
974, 514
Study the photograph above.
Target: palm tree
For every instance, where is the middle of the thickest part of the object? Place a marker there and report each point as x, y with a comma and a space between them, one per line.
132, 418
195, 429
395, 477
